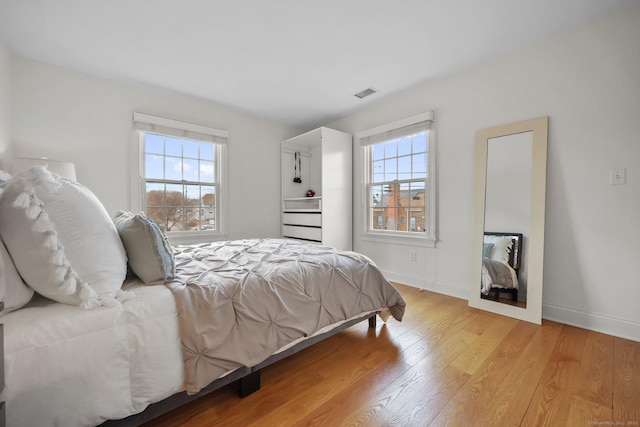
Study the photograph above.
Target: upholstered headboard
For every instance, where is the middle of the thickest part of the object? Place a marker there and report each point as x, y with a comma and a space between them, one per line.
515, 255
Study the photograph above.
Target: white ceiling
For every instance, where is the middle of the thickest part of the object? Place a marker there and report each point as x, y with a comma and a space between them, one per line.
297, 62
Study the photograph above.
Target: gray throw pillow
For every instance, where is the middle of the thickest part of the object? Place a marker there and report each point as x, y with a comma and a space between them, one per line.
486, 250
149, 253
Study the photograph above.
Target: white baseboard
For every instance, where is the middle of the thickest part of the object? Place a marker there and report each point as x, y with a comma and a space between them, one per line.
453, 290
594, 322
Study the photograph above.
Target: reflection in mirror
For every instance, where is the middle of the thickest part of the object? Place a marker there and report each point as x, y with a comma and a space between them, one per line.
502, 261
508, 232
506, 218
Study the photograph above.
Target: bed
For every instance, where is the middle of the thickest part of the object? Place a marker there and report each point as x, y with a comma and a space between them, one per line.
155, 326
501, 261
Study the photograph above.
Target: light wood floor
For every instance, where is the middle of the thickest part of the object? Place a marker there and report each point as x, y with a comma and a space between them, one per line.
444, 364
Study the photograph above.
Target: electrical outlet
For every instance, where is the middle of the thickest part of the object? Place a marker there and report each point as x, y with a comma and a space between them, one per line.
618, 176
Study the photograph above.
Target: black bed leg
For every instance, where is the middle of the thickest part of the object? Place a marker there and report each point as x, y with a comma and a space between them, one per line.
372, 321
249, 383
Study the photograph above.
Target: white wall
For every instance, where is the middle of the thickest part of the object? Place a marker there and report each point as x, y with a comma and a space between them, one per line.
586, 81
5, 105
70, 116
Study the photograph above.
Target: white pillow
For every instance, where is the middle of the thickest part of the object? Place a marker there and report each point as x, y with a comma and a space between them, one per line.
62, 240
501, 247
13, 291
150, 255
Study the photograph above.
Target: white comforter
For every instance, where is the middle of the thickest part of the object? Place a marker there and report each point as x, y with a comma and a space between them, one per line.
50, 348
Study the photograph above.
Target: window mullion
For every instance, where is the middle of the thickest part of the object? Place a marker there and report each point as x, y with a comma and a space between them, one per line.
177, 182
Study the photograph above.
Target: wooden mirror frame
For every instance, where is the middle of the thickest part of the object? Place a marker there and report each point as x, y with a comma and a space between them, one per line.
535, 253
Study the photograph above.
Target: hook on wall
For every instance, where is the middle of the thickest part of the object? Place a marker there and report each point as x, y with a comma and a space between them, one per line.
297, 167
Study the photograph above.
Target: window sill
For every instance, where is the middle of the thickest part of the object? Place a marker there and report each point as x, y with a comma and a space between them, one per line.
400, 239
189, 237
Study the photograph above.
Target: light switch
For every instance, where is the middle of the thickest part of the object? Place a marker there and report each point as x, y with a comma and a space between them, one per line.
618, 176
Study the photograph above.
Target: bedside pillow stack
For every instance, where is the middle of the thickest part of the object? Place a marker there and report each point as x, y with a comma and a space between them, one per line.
61, 239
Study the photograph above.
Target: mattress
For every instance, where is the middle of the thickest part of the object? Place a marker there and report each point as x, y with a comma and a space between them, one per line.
65, 366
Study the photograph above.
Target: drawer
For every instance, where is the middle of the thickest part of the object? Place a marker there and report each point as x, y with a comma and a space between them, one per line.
306, 233
313, 219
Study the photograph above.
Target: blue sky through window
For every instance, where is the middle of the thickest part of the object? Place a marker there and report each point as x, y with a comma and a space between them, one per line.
176, 159
400, 159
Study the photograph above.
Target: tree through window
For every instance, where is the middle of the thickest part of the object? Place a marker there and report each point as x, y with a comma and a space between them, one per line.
180, 172
180, 183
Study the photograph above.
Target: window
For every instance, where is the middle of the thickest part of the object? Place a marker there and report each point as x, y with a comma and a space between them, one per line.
180, 171
399, 184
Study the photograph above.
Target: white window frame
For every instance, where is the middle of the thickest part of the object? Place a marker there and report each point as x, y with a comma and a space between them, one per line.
143, 123
429, 238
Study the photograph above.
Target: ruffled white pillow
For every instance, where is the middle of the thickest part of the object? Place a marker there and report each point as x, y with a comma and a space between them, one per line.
501, 247
62, 240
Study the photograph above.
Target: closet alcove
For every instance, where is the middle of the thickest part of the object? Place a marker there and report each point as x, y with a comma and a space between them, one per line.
321, 161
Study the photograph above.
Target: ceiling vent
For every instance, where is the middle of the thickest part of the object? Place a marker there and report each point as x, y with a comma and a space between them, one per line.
368, 91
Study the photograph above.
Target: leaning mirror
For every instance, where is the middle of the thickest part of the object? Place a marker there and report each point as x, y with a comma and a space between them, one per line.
508, 219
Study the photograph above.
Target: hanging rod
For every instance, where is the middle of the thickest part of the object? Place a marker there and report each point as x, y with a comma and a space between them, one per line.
302, 153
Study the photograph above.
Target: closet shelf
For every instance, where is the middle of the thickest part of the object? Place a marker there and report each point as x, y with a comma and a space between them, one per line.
298, 199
